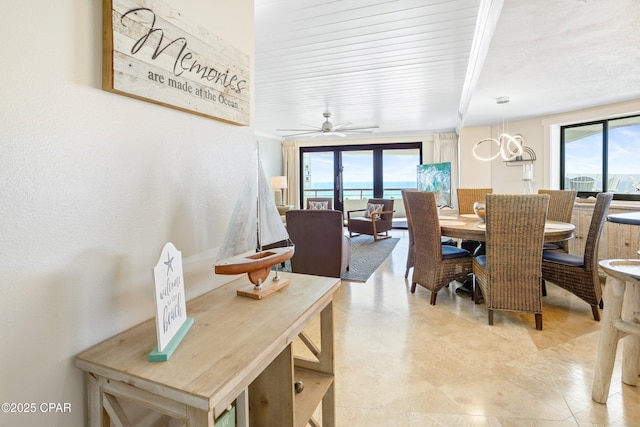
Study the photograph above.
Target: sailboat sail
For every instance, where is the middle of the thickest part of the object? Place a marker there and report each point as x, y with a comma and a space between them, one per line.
255, 223
255, 206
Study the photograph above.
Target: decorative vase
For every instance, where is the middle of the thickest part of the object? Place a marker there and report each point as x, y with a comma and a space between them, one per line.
480, 209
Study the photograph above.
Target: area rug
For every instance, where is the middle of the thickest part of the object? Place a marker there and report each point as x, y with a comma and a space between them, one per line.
366, 257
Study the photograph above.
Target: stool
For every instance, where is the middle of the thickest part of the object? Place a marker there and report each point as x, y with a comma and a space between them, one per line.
623, 285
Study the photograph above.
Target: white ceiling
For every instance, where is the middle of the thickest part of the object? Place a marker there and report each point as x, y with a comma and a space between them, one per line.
417, 66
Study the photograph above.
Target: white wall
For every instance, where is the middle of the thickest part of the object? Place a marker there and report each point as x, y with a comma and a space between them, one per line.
92, 185
542, 135
270, 155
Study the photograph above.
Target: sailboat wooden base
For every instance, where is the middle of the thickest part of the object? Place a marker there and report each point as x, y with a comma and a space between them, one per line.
265, 290
257, 266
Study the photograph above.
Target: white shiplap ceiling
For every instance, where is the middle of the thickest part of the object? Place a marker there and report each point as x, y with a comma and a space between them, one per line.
412, 67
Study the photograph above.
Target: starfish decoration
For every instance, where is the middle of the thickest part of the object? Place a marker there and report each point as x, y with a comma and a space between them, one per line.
168, 263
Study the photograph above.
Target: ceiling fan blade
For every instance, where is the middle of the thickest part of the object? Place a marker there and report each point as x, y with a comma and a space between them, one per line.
305, 133
311, 128
360, 128
356, 132
341, 125
327, 128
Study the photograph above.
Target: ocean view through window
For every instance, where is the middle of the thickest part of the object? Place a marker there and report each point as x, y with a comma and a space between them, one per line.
351, 175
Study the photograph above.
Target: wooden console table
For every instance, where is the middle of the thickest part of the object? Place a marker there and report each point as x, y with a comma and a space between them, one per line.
238, 350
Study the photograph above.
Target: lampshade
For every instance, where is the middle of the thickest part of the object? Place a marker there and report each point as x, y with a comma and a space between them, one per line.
278, 182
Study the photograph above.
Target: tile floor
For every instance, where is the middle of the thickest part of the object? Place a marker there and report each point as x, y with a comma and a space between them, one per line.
404, 363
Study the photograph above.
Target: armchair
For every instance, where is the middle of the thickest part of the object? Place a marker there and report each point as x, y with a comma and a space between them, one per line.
322, 249
376, 220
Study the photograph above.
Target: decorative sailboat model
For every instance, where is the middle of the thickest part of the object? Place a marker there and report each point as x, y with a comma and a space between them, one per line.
255, 224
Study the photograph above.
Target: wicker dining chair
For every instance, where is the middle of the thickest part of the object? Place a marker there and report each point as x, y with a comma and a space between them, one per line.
466, 198
510, 274
411, 253
579, 274
436, 265
560, 209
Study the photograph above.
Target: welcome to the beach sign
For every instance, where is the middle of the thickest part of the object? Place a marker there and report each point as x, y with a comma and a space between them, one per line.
172, 322
151, 53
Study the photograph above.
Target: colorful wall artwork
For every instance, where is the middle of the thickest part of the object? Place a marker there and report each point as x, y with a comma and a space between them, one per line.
436, 178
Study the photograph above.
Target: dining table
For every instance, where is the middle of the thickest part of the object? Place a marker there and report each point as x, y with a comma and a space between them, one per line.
632, 218
471, 227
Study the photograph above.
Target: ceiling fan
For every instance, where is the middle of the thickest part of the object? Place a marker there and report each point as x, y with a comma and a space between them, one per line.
327, 128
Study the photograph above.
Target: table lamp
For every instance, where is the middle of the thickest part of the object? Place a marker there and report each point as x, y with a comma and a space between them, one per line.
278, 183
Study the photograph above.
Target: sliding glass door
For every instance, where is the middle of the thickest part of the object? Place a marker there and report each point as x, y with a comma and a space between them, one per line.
318, 170
352, 174
357, 178
399, 171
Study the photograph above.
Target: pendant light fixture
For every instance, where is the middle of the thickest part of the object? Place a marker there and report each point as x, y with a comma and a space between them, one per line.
509, 147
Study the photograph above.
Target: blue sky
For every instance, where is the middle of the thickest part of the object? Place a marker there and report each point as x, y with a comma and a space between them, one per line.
584, 156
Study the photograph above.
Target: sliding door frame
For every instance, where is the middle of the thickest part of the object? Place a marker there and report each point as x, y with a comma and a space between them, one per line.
378, 178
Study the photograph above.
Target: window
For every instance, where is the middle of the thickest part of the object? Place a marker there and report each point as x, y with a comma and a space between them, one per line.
602, 156
351, 174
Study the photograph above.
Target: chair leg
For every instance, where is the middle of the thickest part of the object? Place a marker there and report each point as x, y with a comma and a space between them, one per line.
406, 272
413, 287
539, 321
434, 295
375, 232
477, 292
544, 288
490, 317
376, 237
596, 312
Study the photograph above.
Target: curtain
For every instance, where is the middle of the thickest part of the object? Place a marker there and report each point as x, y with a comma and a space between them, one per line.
445, 149
291, 166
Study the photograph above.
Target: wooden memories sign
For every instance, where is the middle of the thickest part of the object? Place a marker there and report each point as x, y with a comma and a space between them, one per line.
151, 53
172, 322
